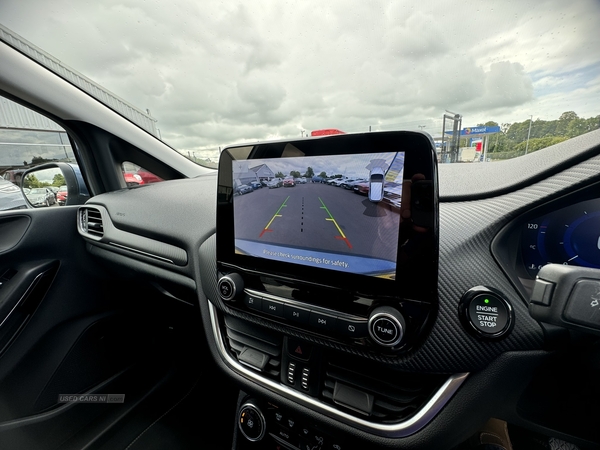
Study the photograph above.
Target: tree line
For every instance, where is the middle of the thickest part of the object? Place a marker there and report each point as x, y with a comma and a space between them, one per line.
512, 140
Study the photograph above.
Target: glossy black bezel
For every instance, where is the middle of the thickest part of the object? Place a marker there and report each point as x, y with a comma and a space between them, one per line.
417, 259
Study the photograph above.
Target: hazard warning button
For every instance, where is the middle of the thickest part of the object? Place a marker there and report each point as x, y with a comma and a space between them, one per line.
299, 349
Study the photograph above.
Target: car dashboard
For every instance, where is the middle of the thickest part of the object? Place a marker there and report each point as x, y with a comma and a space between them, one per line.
315, 383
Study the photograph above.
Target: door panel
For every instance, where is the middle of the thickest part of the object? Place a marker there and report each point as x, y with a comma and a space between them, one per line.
72, 327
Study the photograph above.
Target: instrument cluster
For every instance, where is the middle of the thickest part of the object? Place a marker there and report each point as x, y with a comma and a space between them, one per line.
569, 236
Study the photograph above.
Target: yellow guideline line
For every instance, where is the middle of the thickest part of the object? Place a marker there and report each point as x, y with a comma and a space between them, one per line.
331, 219
274, 216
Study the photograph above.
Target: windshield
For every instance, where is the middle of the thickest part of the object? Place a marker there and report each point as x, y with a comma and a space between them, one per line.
487, 80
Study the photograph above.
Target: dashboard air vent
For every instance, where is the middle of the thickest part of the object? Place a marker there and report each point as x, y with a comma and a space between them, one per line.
254, 346
382, 395
90, 222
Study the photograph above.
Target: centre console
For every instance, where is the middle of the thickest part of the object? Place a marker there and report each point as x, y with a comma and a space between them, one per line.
327, 255
336, 236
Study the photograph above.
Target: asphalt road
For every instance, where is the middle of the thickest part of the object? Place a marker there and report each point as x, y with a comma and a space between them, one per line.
317, 216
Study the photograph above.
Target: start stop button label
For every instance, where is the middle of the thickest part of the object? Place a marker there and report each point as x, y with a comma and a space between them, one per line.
486, 313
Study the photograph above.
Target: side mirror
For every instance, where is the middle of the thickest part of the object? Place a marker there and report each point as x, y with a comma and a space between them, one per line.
54, 184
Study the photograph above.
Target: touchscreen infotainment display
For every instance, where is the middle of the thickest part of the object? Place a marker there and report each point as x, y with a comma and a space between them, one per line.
337, 212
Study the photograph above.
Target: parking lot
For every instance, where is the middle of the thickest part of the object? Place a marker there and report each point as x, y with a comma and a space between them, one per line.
318, 217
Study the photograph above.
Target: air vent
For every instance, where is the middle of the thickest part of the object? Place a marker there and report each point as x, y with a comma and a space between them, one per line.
254, 346
382, 396
90, 222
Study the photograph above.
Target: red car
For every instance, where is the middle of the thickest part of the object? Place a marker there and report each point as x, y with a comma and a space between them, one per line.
61, 195
132, 179
148, 177
289, 182
362, 188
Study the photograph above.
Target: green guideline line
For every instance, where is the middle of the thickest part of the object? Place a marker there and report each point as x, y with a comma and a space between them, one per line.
274, 216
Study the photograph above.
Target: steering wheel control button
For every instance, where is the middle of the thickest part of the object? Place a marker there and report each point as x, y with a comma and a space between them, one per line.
251, 422
486, 313
386, 326
583, 305
230, 286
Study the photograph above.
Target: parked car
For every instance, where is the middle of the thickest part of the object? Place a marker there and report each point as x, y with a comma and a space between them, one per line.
11, 196
361, 188
41, 197
256, 185
132, 179
289, 182
148, 177
338, 181
244, 189
275, 183
61, 195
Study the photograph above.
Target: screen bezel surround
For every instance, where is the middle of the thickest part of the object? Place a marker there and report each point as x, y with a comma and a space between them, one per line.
416, 277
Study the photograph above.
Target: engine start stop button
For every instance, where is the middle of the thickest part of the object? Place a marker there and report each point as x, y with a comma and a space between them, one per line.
486, 313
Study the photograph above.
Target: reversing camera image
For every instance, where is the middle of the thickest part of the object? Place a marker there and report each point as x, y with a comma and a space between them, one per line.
337, 212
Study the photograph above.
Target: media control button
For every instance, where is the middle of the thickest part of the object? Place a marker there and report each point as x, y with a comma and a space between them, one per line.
253, 302
273, 308
352, 328
322, 321
296, 314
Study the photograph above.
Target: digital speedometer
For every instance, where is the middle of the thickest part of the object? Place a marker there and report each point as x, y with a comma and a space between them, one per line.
569, 236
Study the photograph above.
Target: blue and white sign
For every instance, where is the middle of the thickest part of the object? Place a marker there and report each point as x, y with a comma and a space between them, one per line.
477, 131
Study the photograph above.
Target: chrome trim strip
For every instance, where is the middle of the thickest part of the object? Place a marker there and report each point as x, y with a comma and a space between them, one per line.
140, 252
397, 430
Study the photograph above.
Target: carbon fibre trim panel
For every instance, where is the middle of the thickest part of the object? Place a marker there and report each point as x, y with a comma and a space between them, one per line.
466, 233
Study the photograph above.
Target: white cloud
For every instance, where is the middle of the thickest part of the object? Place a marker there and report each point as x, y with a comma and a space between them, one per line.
214, 72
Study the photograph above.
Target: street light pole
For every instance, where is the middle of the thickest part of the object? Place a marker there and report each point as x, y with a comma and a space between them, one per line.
528, 134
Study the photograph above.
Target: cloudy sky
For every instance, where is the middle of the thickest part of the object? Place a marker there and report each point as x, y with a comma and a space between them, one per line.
217, 72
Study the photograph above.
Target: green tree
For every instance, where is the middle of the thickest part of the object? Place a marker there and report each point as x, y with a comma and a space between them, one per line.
309, 172
32, 182
58, 180
568, 116
323, 175
279, 175
295, 174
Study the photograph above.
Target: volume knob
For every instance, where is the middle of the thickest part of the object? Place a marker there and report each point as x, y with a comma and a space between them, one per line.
230, 286
386, 326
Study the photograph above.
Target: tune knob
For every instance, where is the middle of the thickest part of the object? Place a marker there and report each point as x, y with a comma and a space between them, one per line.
386, 326
230, 286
